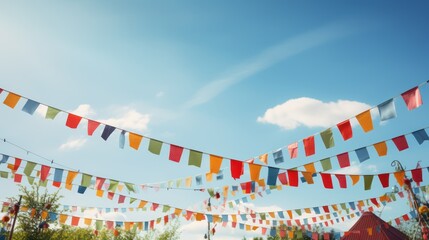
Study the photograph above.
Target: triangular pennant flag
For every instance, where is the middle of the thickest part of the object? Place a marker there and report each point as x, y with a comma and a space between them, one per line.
381, 148
412, 98
400, 177
292, 178
92, 125
309, 146
175, 153
420, 136
355, 179
135, 140
417, 175
367, 181
384, 179
264, 158
44, 172
343, 160
113, 185
69, 180
30, 106
341, 180
365, 121
326, 164
400, 142
195, 158
387, 110
272, 176
73, 120
107, 131
99, 182
293, 150
327, 180
11, 100
29, 168
362, 154
155, 146
345, 129
236, 168
215, 163
51, 113
328, 138
254, 171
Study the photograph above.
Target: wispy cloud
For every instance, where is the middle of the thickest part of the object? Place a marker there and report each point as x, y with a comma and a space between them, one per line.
271, 56
356, 168
311, 112
73, 144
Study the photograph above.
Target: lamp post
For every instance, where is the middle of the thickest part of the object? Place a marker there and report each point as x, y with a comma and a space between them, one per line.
16, 209
207, 235
414, 200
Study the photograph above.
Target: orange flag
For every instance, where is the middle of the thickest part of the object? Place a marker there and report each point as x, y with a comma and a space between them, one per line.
365, 121
264, 158
71, 175
400, 177
355, 179
135, 140
381, 148
254, 171
215, 163
11, 100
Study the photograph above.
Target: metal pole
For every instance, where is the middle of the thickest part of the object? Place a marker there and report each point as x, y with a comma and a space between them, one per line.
208, 223
16, 216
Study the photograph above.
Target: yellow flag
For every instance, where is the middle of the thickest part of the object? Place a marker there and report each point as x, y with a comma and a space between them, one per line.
209, 177
188, 182
310, 168
87, 221
142, 204
63, 218
99, 193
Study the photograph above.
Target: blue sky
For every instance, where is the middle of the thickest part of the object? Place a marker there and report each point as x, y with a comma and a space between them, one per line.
203, 75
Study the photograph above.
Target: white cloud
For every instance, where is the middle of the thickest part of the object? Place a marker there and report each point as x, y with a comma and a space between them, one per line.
73, 144
271, 56
130, 119
356, 168
84, 110
311, 112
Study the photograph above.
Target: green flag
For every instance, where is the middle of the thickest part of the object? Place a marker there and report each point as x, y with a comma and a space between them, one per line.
326, 164
165, 208
30, 180
130, 187
155, 146
99, 224
298, 211
368, 181
29, 168
195, 158
51, 113
4, 174
86, 180
113, 185
327, 138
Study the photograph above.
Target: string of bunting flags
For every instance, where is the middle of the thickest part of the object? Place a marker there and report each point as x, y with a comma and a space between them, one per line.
387, 110
198, 215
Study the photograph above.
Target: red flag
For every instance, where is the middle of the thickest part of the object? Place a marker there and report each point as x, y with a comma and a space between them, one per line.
327, 180
326, 209
73, 120
417, 175
99, 183
293, 178
309, 146
345, 129
237, 168
17, 178
293, 150
282, 178
412, 98
400, 142
92, 125
175, 153
384, 179
341, 180
343, 160
44, 171
75, 221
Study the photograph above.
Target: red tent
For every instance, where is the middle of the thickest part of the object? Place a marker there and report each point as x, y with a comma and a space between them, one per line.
369, 226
